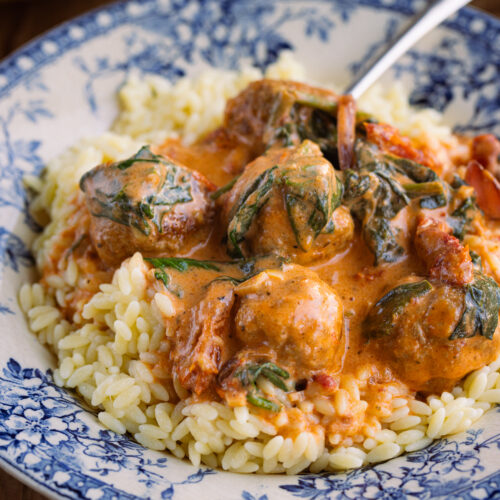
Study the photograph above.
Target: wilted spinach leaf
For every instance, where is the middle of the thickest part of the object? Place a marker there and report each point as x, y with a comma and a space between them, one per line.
461, 217
139, 191
310, 190
249, 205
143, 155
248, 376
182, 263
379, 188
383, 315
480, 309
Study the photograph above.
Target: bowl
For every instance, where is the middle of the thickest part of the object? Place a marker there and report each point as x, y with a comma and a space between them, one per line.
62, 87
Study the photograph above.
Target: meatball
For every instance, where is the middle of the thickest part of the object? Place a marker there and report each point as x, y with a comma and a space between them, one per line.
285, 202
286, 316
433, 334
148, 204
295, 315
270, 112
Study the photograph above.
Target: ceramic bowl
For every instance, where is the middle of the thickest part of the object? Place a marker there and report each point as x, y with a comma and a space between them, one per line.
61, 87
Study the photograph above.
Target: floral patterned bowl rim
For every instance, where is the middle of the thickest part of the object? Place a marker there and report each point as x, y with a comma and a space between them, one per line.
60, 87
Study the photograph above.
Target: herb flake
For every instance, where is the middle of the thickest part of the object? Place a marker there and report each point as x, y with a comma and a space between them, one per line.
182, 263
248, 376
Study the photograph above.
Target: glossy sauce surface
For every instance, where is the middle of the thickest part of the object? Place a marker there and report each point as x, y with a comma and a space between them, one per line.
300, 304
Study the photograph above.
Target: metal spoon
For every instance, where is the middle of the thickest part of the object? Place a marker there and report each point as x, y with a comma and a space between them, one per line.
433, 15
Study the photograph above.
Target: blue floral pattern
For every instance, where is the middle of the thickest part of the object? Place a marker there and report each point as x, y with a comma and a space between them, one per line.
45, 432
13, 251
20, 154
425, 475
43, 428
5, 309
442, 75
226, 46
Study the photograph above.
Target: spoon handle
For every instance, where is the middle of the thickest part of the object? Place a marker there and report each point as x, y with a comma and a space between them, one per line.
433, 15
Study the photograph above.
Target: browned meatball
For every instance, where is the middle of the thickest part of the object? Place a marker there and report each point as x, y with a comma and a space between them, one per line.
433, 334
285, 202
271, 112
293, 314
148, 204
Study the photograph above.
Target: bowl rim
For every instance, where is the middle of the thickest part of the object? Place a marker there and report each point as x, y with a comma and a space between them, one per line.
119, 6
119, 15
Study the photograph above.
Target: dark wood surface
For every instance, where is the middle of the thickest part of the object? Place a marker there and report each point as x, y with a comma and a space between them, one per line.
20, 21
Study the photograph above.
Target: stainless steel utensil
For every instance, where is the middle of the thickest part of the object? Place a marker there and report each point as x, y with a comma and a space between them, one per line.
424, 22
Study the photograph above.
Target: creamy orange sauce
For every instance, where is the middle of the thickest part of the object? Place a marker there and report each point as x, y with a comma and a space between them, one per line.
351, 273
307, 318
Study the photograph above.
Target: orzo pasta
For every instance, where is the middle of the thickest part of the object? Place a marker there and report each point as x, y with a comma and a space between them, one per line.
256, 276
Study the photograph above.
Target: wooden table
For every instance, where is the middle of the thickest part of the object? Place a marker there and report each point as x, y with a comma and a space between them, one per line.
19, 22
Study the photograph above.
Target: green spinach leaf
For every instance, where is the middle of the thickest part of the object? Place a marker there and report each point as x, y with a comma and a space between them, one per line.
139, 191
249, 205
248, 376
224, 189
379, 188
383, 315
310, 199
143, 155
480, 309
462, 216
182, 263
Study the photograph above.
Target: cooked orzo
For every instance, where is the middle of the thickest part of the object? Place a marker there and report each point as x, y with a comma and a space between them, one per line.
264, 276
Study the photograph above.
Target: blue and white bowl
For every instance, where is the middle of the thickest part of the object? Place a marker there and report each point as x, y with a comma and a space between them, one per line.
61, 87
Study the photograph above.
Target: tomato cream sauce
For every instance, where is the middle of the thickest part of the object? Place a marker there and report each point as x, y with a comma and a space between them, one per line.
305, 315
350, 273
